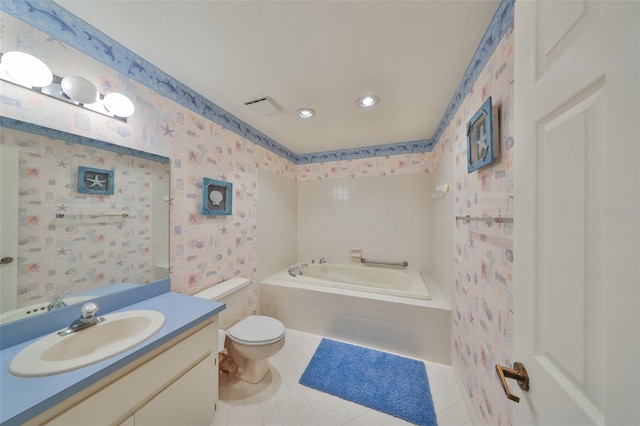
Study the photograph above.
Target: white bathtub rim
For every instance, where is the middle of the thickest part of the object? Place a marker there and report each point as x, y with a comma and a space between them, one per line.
436, 301
411, 278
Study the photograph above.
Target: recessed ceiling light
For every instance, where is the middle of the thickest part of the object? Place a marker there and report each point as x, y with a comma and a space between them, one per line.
306, 113
368, 101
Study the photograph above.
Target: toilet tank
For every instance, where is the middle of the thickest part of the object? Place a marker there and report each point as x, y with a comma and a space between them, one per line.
235, 294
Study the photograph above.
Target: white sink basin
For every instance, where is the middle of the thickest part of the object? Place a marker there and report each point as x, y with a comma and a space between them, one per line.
55, 354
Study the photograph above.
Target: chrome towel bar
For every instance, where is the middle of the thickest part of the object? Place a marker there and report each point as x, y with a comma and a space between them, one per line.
373, 262
92, 216
485, 219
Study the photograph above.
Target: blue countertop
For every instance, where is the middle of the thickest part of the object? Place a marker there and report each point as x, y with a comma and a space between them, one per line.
24, 398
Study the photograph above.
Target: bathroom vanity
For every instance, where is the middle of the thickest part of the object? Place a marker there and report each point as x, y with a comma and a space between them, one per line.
171, 378
175, 384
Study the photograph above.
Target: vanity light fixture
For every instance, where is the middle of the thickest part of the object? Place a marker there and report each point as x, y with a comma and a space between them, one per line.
368, 101
30, 72
306, 113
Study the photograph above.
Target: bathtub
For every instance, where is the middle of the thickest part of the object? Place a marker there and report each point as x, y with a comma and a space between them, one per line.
391, 281
387, 308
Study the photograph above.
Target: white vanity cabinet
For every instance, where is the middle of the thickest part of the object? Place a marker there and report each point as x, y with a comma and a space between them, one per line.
182, 403
176, 384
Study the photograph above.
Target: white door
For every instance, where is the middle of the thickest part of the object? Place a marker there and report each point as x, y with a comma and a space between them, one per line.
577, 211
8, 227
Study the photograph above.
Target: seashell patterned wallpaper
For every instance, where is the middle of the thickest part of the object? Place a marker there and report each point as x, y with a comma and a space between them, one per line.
483, 295
204, 250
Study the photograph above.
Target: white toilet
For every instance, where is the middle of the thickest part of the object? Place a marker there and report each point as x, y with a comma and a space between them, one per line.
250, 340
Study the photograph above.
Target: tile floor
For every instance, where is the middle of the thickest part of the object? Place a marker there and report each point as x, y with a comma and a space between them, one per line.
280, 400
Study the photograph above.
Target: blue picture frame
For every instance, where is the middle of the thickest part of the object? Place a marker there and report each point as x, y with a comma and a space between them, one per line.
483, 141
217, 197
95, 181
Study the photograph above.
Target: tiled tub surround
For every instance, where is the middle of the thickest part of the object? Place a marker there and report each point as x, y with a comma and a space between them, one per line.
22, 399
277, 223
418, 328
385, 216
440, 228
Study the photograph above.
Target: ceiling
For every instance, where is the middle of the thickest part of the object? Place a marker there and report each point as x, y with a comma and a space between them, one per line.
322, 55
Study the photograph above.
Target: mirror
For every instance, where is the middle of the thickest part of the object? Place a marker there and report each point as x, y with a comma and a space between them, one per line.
79, 217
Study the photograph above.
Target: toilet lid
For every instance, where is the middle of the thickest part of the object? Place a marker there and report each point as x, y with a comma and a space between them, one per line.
257, 328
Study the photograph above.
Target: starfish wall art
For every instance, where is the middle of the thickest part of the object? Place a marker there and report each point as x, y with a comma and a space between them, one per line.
95, 181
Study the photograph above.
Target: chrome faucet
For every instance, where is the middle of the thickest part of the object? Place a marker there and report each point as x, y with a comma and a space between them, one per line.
322, 260
295, 269
56, 302
87, 319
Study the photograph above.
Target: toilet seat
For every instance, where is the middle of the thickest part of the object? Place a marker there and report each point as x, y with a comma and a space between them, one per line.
257, 330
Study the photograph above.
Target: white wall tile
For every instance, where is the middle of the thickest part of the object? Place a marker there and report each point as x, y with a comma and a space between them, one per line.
386, 216
441, 226
277, 223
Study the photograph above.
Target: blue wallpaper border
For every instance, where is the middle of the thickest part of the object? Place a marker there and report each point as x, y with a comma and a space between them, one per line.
424, 145
12, 123
498, 28
50, 18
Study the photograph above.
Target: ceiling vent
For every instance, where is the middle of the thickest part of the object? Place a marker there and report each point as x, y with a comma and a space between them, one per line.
263, 106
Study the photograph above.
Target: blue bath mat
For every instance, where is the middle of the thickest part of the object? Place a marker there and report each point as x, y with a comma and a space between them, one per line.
385, 382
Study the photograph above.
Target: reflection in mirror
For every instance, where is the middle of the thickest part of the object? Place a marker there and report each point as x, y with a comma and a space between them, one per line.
70, 238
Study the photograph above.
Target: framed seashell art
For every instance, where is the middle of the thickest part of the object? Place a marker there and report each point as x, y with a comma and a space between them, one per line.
217, 197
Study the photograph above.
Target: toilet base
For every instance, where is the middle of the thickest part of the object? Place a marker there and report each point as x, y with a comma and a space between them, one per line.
254, 370
253, 360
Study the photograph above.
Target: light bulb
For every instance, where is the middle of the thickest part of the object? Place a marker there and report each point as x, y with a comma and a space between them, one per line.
306, 113
26, 70
118, 104
368, 101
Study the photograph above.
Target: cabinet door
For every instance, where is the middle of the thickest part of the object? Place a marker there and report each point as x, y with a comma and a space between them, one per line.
188, 401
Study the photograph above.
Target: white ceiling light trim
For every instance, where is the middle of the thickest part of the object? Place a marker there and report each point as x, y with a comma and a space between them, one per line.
26, 70
368, 101
306, 113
